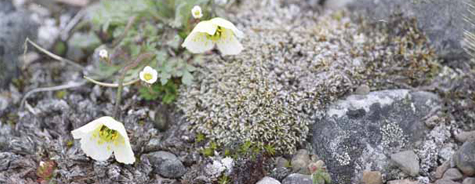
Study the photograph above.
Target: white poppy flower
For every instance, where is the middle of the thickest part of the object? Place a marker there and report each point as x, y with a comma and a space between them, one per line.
103, 136
196, 12
103, 54
148, 75
217, 31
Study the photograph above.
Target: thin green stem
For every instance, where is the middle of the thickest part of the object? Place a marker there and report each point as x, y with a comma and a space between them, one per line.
118, 97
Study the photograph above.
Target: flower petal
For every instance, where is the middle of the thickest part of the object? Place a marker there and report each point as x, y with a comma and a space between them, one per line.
93, 149
111, 123
123, 153
228, 44
198, 43
154, 78
148, 69
83, 131
228, 25
142, 75
205, 27
196, 12
154, 74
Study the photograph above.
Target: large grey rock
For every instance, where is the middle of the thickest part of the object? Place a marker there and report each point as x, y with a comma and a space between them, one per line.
166, 164
464, 158
281, 162
469, 181
406, 181
297, 179
280, 173
15, 27
441, 20
465, 136
453, 174
268, 180
444, 181
439, 172
407, 161
358, 133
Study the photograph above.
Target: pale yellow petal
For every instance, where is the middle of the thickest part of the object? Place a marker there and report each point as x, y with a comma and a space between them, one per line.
94, 149
228, 44
205, 27
228, 25
198, 43
86, 129
142, 75
123, 152
111, 123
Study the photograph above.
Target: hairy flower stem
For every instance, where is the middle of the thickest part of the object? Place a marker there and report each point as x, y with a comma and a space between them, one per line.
118, 97
130, 23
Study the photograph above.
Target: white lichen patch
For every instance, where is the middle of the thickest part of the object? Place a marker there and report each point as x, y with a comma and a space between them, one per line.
342, 158
365, 102
430, 149
392, 136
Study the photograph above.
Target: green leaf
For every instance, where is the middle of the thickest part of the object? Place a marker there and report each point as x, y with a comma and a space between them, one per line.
84, 40
148, 94
167, 92
327, 177
187, 78
175, 42
117, 12
165, 77
102, 71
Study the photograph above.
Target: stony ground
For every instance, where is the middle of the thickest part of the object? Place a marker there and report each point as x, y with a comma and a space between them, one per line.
370, 99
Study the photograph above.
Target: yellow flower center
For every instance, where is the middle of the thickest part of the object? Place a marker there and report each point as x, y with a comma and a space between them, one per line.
147, 76
107, 135
217, 35
197, 13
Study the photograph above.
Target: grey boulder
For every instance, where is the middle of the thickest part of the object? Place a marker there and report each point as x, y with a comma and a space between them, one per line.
297, 179
166, 164
407, 161
452, 174
464, 158
359, 132
268, 180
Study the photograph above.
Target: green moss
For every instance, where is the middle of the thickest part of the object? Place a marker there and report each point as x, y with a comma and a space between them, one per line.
200, 137
60, 94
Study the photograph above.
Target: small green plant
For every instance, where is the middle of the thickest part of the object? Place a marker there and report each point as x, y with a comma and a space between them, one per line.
155, 28
60, 94
209, 151
270, 149
200, 137
224, 180
167, 92
250, 149
45, 171
319, 173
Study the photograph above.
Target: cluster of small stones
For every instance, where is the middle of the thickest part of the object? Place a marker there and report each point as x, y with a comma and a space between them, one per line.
298, 60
